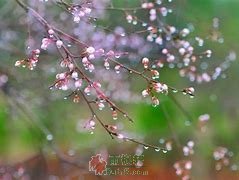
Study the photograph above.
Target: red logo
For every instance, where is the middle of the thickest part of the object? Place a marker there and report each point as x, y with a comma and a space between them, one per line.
97, 164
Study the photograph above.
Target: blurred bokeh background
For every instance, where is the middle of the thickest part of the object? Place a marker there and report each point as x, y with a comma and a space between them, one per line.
41, 134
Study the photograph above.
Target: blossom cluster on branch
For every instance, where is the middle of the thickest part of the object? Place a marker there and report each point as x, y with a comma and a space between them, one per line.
91, 50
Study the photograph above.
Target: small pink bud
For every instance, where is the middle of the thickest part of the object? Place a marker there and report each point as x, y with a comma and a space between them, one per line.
120, 136
59, 43
78, 83
91, 67
107, 65
76, 99
87, 10
37, 51
145, 60
100, 105
115, 115
50, 31
145, 93
96, 85
165, 51
90, 50
87, 90
85, 60
64, 87
117, 69
17, 63
155, 101
74, 75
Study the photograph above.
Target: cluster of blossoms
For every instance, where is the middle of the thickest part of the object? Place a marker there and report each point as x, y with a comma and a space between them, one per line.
80, 75
155, 8
117, 38
83, 64
153, 86
183, 169
188, 149
157, 87
90, 125
177, 51
167, 143
193, 75
17, 172
79, 12
222, 157
31, 61
51, 39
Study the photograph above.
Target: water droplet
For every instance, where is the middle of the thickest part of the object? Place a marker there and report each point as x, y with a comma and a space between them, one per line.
71, 152
161, 141
187, 123
146, 147
230, 153
65, 98
157, 149
123, 34
49, 137
91, 132
117, 56
234, 167
144, 24
135, 22
165, 151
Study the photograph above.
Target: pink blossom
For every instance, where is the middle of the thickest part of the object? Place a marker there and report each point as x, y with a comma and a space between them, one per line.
45, 43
